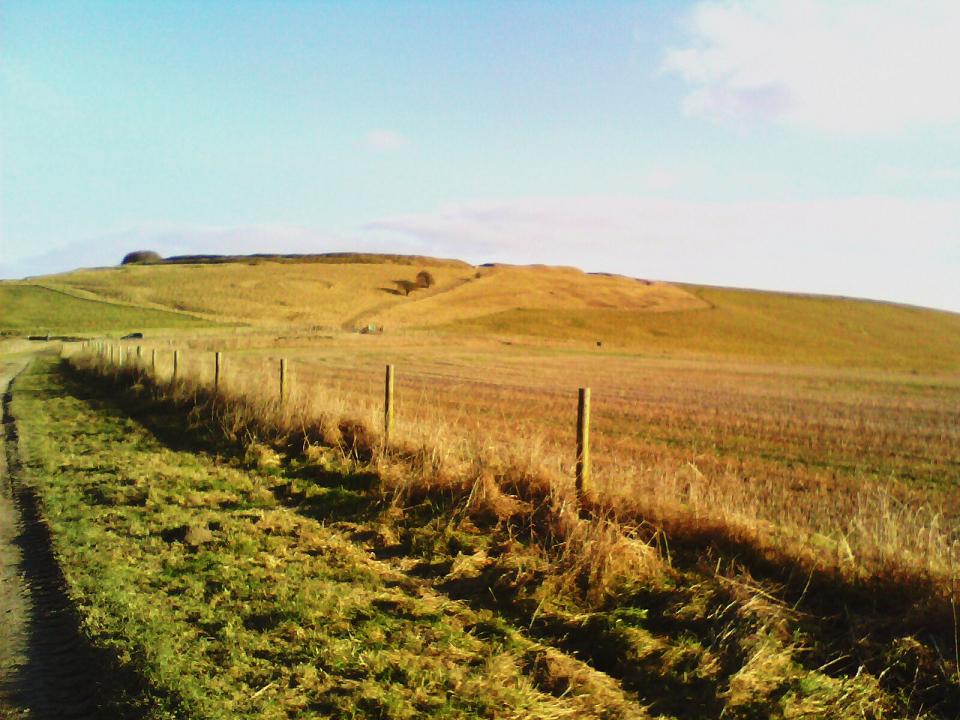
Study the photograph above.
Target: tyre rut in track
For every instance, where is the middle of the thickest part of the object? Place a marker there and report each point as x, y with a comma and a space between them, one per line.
62, 675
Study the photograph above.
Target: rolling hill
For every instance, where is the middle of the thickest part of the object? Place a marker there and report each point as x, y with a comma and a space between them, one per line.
550, 304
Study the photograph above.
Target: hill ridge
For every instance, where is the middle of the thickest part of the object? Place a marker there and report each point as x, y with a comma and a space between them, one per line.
534, 303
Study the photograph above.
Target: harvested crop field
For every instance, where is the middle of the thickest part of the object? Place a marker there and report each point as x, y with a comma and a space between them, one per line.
863, 464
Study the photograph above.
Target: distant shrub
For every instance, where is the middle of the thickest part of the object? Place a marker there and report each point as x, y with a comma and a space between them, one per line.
140, 256
425, 279
406, 286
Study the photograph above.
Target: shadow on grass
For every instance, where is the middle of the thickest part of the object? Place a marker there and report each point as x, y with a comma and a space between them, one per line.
65, 674
607, 642
342, 497
339, 501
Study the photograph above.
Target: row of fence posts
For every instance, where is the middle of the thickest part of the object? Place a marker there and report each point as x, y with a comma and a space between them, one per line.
583, 400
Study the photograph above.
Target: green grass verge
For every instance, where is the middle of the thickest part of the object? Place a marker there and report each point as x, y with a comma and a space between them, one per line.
30, 309
757, 325
261, 611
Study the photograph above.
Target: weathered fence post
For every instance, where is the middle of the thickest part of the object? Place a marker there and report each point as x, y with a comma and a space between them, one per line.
583, 442
139, 354
153, 362
283, 379
388, 407
111, 353
176, 363
119, 355
217, 364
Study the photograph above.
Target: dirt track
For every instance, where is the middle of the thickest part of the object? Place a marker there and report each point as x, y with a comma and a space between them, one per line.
46, 668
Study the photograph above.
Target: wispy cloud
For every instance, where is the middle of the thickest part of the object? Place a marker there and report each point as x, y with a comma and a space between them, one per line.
865, 66
873, 247
386, 141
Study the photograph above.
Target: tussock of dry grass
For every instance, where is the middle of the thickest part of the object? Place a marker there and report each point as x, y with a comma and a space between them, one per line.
863, 535
813, 467
593, 556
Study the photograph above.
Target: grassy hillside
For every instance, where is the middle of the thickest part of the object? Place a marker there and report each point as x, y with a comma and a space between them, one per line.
30, 309
357, 293
756, 325
555, 304
506, 288
261, 292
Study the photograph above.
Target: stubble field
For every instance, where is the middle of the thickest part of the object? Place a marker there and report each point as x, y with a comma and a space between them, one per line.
859, 467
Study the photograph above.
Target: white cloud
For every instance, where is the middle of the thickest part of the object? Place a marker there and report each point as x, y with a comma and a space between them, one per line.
863, 66
386, 141
876, 247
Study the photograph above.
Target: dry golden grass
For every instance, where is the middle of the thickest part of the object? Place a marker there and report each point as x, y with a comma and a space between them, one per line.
504, 288
752, 326
325, 295
853, 470
356, 294
546, 305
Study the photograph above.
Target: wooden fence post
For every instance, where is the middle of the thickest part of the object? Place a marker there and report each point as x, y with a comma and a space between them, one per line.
176, 363
583, 442
283, 379
139, 354
119, 355
217, 364
153, 361
388, 407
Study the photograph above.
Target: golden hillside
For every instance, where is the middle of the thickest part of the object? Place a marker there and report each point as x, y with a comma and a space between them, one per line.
350, 295
550, 303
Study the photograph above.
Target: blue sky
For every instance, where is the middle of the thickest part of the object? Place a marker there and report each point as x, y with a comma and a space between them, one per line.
807, 145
